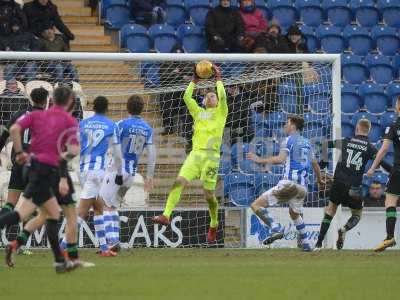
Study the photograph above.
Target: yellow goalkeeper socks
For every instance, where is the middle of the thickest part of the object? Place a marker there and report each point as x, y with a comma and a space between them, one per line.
213, 210
173, 199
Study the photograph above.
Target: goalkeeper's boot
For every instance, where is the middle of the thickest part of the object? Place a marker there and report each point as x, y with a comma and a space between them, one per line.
11, 248
161, 219
340, 239
212, 235
276, 234
108, 253
387, 243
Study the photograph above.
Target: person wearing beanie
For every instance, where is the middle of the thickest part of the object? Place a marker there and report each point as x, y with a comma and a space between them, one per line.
224, 29
272, 41
296, 41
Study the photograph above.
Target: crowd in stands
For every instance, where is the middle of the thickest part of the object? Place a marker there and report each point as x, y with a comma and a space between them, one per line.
34, 28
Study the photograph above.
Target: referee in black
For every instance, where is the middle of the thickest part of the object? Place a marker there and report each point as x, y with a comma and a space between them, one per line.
392, 135
17, 184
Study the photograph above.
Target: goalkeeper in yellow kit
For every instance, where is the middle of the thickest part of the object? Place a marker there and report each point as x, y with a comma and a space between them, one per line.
203, 160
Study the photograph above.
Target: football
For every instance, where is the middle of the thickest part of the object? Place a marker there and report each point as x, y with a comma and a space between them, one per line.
204, 69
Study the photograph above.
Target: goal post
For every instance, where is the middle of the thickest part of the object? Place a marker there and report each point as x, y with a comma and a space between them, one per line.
262, 89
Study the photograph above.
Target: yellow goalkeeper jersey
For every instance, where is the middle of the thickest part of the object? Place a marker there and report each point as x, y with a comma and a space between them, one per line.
209, 123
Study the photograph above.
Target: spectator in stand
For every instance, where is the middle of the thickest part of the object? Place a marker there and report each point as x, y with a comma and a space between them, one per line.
271, 41
254, 22
296, 41
12, 99
224, 29
21, 40
51, 42
375, 197
149, 12
9, 12
41, 12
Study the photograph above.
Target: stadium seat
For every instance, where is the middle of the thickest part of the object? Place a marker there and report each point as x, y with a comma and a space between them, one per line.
246, 166
388, 118
265, 181
365, 115
351, 100
315, 125
262, 5
347, 126
283, 11
358, 39
366, 14
310, 12
312, 41
136, 38
387, 39
240, 188
390, 12
375, 99
234, 3
104, 4
331, 39
238, 154
376, 132
277, 169
151, 72
287, 96
317, 96
393, 91
380, 68
274, 122
225, 167
37, 84
176, 13
163, 37
198, 10
338, 12
192, 37
117, 14
354, 70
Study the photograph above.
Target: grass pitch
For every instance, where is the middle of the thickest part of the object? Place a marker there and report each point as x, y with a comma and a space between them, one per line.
208, 274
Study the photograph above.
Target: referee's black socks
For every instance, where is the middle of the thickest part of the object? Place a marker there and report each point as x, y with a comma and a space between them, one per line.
52, 233
326, 222
390, 221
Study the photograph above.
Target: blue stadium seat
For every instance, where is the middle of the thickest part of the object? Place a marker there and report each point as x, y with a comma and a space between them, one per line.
393, 91
274, 122
265, 181
176, 13
358, 39
347, 126
353, 68
351, 100
163, 36
388, 118
387, 39
317, 96
331, 39
104, 5
192, 37
315, 125
366, 14
225, 167
136, 38
287, 96
380, 68
390, 12
365, 115
376, 132
338, 12
198, 10
312, 41
375, 99
117, 14
310, 12
151, 72
234, 3
240, 188
262, 5
283, 11
381, 177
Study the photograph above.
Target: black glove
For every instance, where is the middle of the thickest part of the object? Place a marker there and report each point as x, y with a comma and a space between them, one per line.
323, 164
118, 180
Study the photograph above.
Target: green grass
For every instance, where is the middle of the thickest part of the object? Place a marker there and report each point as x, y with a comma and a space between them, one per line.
209, 274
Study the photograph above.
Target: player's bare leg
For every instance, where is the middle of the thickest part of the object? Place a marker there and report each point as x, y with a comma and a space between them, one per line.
173, 199
389, 241
300, 226
259, 207
330, 212
213, 212
71, 231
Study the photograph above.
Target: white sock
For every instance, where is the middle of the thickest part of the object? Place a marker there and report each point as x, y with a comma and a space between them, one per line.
100, 232
108, 226
116, 227
301, 228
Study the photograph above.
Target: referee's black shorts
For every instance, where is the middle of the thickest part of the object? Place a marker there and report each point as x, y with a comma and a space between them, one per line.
339, 195
43, 181
393, 185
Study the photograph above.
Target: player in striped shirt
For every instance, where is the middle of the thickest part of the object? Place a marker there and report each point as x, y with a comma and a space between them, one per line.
298, 156
135, 135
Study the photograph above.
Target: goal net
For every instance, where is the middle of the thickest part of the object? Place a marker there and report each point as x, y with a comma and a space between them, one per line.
262, 90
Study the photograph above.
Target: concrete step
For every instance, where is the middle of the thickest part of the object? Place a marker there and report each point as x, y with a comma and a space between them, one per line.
86, 29
106, 78
69, 3
91, 40
87, 20
75, 11
94, 48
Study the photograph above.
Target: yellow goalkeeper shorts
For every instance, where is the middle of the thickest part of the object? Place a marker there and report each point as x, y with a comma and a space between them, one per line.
203, 165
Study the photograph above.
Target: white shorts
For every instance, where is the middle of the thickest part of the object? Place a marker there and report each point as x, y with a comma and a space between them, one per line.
91, 182
111, 192
287, 191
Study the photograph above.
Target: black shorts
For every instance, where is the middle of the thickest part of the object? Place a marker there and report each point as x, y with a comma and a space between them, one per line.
18, 179
43, 183
339, 195
393, 185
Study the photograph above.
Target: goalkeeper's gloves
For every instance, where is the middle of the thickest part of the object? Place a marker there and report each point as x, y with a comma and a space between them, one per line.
118, 180
217, 72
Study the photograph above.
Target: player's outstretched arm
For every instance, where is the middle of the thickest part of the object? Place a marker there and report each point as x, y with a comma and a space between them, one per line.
274, 160
221, 93
384, 164
379, 156
317, 172
191, 104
